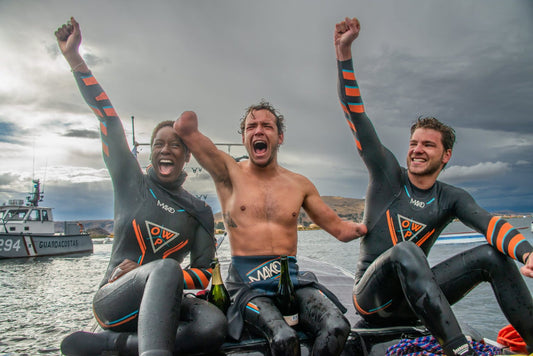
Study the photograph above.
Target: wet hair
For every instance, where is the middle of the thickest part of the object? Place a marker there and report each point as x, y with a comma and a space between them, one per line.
447, 133
159, 126
264, 105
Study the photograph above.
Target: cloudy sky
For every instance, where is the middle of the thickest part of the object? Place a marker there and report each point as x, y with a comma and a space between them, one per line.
469, 63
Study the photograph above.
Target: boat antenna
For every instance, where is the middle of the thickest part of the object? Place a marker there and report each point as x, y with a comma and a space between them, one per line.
44, 179
134, 150
33, 161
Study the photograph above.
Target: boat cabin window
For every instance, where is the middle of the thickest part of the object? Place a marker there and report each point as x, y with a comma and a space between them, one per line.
35, 215
45, 215
16, 214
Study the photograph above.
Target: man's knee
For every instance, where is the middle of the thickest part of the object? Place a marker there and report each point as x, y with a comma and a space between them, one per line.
338, 326
167, 269
212, 323
409, 256
335, 330
200, 321
285, 341
167, 264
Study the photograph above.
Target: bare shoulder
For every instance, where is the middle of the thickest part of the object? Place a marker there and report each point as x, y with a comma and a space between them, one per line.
298, 179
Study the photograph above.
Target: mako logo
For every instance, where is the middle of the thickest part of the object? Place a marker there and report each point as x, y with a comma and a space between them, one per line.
159, 236
266, 271
409, 228
417, 203
165, 207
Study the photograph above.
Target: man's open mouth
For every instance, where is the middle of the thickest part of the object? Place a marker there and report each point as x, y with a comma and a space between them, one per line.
260, 147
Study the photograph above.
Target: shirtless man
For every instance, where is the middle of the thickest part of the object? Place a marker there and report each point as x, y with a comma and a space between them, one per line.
260, 203
406, 209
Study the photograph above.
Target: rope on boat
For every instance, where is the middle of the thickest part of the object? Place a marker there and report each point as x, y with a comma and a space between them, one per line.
428, 346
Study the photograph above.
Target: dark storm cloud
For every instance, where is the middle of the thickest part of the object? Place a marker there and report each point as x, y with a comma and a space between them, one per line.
82, 133
72, 201
6, 179
469, 63
9, 132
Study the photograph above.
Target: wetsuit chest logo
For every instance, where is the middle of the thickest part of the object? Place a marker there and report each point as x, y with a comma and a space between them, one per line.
417, 203
409, 228
159, 236
264, 272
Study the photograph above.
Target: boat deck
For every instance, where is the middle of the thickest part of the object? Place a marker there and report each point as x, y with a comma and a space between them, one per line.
362, 340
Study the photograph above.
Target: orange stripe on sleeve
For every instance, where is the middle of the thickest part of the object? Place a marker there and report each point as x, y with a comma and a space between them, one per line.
358, 144
344, 108
110, 111
351, 91
102, 96
105, 149
188, 279
501, 235
88, 81
357, 108
348, 75
512, 245
103, 129
490, 229
200, 274
352, 126
97, 112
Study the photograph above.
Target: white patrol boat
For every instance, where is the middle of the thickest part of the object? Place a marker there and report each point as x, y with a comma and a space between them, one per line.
28, 230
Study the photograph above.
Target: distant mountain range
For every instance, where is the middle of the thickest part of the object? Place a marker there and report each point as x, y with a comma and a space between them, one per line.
346, 208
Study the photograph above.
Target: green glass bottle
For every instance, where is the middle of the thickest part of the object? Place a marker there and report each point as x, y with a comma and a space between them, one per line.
218, 295
285, 296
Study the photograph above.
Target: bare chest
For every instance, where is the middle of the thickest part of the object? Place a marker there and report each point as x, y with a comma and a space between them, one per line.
277, 202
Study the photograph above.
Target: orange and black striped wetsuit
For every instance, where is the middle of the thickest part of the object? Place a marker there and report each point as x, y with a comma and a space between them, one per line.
156, 225
393, 281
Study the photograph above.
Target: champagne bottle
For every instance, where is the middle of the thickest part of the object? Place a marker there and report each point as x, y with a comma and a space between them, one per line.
285, 296
218, 295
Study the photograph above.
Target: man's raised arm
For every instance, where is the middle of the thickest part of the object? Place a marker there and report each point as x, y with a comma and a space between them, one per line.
345, 33
202, 148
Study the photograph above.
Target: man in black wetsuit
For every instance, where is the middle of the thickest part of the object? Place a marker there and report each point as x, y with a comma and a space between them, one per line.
157, 224
406, 209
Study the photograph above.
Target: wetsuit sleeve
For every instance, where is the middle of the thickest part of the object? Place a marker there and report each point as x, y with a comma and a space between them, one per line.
385, 173
374, 154
117, 156
197, 276
498, 232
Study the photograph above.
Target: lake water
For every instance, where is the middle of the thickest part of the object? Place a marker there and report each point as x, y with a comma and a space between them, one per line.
43, 300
